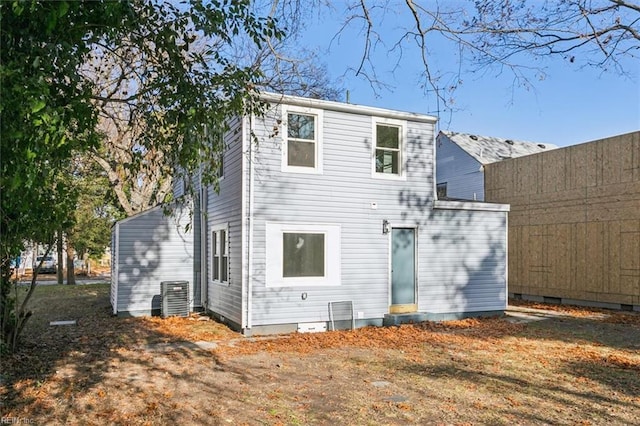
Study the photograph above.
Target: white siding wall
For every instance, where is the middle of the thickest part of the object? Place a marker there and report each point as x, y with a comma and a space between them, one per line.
177, 185
342, 195
151, 248
466, 267
459, 170
225, 207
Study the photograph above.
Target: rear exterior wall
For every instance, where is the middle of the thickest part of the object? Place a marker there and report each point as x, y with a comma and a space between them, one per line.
461, 278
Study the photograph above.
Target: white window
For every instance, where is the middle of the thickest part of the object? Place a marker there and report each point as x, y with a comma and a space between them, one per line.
302, 255
220, 255
388, 155
441, 190
302, 140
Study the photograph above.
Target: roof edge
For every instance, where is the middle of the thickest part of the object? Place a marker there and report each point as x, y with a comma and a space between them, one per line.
345, 107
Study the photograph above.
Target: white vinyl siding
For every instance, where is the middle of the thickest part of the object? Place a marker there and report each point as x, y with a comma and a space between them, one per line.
151, 247
224, 210
462, 173
341, 196
468, 274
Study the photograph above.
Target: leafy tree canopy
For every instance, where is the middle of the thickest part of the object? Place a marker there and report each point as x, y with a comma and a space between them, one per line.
49, 98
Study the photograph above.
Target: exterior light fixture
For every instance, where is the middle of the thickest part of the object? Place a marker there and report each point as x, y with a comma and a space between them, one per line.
385, 226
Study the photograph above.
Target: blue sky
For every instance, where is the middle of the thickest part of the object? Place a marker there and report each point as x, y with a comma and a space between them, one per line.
570, 105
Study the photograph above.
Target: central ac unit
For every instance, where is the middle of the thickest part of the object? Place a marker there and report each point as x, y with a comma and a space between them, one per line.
175, 298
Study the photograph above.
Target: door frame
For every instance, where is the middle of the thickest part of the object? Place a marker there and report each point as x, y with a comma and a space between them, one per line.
405, 308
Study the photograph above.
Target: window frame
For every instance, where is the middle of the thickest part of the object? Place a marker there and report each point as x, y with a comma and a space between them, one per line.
318, 115
324, 251
402, 147
219, 255
274, 255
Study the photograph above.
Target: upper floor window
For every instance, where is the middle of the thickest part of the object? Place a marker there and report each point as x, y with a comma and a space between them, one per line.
302, 147
389, 148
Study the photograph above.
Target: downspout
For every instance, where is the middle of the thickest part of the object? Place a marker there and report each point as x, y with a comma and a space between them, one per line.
434, 163
204, 280
250, 227
204, 290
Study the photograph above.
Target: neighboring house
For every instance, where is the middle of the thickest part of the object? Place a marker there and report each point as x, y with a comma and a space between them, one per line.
461, 159
324, 202
574, 226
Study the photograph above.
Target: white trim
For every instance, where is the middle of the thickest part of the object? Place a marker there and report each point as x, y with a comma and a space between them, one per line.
204, 235
402, 164
348, 108
274, 261
470, 205
318, 116
506, 261
114, 273
244, 223
216, 230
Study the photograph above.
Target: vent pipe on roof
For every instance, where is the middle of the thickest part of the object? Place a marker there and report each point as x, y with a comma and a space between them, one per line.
509, 141
474, 137
542, 146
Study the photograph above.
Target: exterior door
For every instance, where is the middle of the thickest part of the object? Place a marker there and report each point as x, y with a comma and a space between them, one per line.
403, 270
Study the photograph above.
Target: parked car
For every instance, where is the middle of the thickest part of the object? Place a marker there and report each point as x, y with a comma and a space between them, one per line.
48, 265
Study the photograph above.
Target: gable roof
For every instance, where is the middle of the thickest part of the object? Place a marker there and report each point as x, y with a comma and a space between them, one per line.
487, 149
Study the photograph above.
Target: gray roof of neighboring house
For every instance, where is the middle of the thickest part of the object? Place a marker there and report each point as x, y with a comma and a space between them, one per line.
487, 149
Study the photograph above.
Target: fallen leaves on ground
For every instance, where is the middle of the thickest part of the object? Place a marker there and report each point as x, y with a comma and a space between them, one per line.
409, 337
193, 328
606, 315
577, 368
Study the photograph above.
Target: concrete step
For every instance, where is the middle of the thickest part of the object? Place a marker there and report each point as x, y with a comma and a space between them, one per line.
410, 318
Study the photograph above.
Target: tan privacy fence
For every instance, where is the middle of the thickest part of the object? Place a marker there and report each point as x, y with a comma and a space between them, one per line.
574, 225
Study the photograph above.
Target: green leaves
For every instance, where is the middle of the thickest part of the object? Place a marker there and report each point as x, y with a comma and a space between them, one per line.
37, 106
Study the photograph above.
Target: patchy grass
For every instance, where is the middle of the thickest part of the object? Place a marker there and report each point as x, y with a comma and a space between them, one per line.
575, 366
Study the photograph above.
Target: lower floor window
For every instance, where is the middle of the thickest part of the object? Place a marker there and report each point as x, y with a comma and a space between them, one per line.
302, 254
220, 255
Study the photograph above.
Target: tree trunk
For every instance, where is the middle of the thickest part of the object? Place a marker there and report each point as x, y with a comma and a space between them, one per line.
71, 276
59, 269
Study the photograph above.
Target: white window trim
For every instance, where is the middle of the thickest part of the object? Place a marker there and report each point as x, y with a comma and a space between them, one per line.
319, 120
274, 244
216, 230
403, 148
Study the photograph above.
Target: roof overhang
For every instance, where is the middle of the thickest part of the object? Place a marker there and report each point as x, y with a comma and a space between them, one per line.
344, 107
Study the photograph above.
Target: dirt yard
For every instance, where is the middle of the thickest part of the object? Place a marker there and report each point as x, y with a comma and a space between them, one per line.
567, 366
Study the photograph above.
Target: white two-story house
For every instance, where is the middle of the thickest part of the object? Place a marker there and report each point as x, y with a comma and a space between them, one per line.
323, 202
